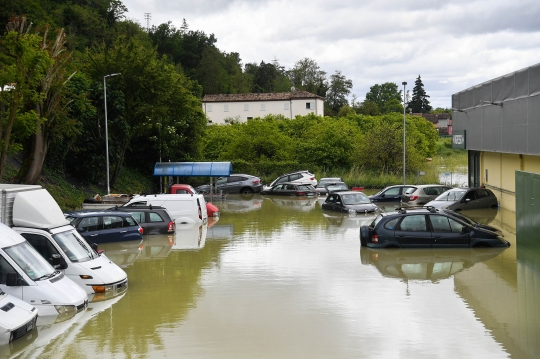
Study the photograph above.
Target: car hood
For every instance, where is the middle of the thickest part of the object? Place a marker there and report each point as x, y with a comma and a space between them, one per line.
370, 207
439, 204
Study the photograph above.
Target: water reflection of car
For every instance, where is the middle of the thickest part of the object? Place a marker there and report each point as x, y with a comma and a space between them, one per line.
301, 204
291, 189
428, 228
458, 199
237, 203
349, 201
190, 237
123, 254
424, 264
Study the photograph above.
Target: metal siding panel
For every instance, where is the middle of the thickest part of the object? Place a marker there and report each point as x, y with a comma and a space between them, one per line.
533, 122
474, 129
455, 101
491, 138
486, 91
513, 139
497, 85
477, 92
491, 116
534, 80
508, 88
514, 113
469, 95
522, 83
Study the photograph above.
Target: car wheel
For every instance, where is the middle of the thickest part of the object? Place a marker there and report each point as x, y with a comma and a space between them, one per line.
364, 233
246, 191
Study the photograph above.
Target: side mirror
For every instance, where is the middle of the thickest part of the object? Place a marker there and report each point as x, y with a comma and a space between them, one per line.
12, 279
382, 195
467, 200
57, 261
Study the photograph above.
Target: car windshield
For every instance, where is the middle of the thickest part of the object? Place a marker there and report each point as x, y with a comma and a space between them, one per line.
451, 195
464, 218
355, 198
336, 187
30, 261
74, 246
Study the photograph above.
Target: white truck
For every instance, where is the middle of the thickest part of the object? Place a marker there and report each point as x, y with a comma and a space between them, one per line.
32, 212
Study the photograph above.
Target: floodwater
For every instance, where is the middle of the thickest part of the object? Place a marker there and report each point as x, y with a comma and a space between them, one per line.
280, 278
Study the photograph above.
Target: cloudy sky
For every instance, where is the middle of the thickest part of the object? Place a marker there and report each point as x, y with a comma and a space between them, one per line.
452, 45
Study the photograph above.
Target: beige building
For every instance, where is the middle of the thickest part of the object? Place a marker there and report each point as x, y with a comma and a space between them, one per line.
244, 107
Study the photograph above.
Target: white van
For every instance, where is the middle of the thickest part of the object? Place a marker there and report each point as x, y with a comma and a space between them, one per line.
17, 318
26, 275
34, 214
184, 208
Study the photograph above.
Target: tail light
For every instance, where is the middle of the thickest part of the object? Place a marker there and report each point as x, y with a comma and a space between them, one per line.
141, 230
312, 178
413, 198
200, 210
375, 239
300, 193
257, 181
171, 227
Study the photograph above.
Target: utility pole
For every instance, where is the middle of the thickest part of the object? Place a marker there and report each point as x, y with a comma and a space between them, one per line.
147, 17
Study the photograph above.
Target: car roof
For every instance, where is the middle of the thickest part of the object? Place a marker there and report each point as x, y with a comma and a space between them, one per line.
94, 212
332, 179
290, 173
346, 192
136, 208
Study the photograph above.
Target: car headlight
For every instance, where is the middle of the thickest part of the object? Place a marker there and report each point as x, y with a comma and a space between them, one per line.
66, 309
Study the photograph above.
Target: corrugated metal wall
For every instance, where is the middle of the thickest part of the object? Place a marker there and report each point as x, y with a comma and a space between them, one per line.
513, 127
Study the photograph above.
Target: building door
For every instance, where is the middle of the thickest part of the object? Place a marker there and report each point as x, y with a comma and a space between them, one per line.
474, 169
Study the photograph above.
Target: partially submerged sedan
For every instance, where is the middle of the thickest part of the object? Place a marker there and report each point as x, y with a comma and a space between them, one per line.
349, 201
291, 189
428, 228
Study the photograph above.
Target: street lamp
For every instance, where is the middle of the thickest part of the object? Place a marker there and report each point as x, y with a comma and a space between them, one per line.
106, 129
404, 131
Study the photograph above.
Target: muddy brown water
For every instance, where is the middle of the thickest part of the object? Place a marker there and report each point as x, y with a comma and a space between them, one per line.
280, 278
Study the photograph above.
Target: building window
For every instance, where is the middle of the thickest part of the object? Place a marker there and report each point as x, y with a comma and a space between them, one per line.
309, 106
226, 108
209, 121
263, 107
286, 106
209, 108
250, 118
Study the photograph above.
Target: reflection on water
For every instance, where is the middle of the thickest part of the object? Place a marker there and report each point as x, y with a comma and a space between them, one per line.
280, 278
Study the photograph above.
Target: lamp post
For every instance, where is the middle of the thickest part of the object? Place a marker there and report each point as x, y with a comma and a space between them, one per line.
404, 130
106, 129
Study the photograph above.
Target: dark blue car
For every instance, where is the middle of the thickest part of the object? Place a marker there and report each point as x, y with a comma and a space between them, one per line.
105, 226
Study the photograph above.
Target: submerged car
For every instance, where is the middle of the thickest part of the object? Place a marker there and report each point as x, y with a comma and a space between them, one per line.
237, 183
391, 193
105, 226
349, 201
320, 187
458, 199
291, 189
422, 194
298, 177
428, 228
332, 187
153, 219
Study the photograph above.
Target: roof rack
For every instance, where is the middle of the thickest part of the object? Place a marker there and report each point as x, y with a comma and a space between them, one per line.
431, 209
401, 210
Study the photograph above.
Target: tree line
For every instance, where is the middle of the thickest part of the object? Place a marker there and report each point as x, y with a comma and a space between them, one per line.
55, 63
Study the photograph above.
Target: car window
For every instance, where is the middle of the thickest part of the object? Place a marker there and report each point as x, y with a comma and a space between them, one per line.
482, 193
391, 224
5, 268
139, 216
456, 226
291, 187
135, 204
414, 223
295, 176
41, 244
408, 189
376, 221
181, 191
471, 195
221, 180
89, 224
394, 191
355, 198
279, 187
110, 222
451, 196
306, 187
129, 222
282, 179
155, 217
331, 198
432, 191
440, 223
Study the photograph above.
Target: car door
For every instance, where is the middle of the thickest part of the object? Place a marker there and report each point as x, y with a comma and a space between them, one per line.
221, 184
235, 184
485, 198
392, 194
448, 233
413, 232
332, 202
470, 200
89, 228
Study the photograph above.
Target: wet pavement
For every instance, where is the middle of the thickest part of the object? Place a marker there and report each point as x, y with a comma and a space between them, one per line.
280, 278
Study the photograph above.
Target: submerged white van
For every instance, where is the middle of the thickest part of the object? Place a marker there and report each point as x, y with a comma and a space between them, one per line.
26, 275
183, 208
17, 318
32, 212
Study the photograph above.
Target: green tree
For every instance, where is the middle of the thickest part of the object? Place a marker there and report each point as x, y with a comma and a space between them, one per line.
381, 95
369, 108
340, 87
419, 102
306, 75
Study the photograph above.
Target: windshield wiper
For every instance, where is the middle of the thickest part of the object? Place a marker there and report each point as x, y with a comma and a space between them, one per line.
50, 275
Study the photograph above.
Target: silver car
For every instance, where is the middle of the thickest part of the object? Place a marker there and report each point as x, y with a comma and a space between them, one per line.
458, 199
422, 194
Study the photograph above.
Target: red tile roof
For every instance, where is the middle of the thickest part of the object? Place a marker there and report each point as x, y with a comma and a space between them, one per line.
274, 96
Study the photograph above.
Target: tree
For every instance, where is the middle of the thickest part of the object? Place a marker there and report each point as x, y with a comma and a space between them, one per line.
419, 102
306, 75
369, 108
340, 88
381, 95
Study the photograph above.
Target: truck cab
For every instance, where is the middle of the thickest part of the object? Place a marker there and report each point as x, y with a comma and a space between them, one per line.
36, 216
17, 319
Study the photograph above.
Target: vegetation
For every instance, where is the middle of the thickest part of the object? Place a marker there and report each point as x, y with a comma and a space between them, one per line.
75, 76
419, 102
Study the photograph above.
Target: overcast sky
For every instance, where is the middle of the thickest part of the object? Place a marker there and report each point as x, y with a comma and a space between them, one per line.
452, 45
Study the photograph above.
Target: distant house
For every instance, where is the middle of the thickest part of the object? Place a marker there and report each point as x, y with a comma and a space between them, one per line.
244, 107
441, 121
